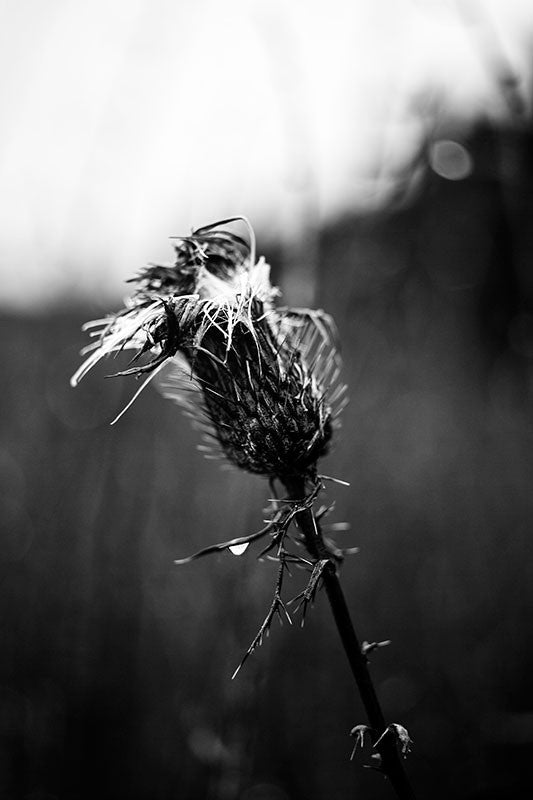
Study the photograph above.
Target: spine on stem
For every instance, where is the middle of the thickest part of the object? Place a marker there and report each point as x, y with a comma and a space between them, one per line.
384, 738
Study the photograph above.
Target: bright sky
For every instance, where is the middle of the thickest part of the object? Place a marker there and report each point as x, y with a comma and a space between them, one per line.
127, 121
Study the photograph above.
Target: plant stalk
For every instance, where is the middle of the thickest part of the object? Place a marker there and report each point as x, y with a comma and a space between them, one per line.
391, 762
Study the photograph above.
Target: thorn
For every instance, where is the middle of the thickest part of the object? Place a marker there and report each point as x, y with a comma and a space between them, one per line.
367, 647
359, 733
333, 480
401, 735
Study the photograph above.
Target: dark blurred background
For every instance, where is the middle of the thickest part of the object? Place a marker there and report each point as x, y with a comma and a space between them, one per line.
115, 664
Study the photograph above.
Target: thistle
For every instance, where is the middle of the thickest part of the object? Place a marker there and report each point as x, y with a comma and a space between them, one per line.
262, 382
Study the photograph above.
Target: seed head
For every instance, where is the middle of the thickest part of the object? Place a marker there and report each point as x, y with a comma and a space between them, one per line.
261, 380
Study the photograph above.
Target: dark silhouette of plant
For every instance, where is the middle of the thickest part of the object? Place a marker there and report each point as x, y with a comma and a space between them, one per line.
263, 384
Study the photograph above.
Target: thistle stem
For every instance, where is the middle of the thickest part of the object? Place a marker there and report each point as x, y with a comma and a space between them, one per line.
391, 762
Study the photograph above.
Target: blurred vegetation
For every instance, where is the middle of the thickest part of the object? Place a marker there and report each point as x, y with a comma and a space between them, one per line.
115, 669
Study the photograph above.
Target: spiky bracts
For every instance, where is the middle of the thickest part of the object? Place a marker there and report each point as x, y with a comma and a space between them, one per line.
262, 381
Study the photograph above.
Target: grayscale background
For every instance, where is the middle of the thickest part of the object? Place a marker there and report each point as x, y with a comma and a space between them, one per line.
383, 151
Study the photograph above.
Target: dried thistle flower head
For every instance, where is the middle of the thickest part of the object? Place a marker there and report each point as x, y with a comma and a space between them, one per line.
261, 380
